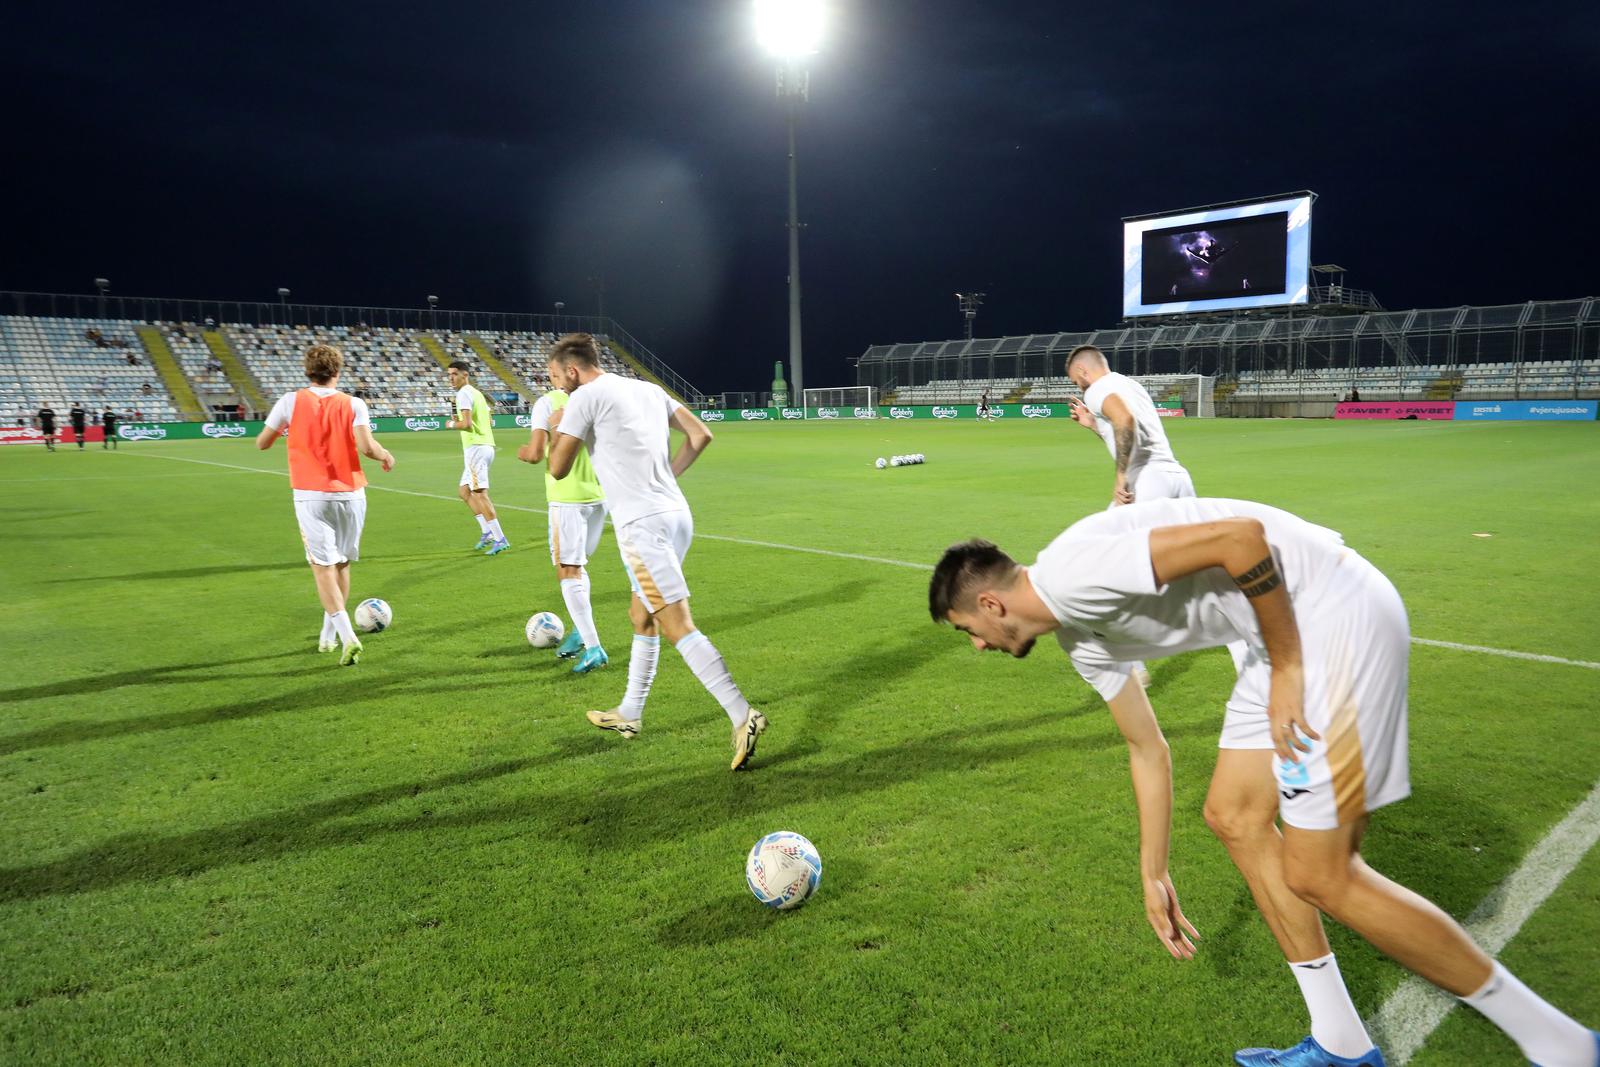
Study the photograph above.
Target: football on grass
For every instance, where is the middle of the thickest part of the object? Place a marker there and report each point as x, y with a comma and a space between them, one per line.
373, 615
783, 870
545, 629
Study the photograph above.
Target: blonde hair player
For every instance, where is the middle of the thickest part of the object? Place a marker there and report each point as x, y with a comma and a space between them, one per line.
1314, 734
626, 426
331, 431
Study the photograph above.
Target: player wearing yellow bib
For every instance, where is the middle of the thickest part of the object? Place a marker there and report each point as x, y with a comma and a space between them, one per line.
477, 442
577, 517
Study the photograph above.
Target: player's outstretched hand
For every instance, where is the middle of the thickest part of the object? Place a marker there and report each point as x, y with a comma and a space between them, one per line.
1081, 412
1286, 709
1167, 919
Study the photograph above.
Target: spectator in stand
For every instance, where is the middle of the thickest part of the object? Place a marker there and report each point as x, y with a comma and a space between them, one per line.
80, 423
145, 389
108, 421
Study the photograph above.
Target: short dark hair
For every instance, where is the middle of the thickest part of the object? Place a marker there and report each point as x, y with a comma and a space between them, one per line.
579, 348
461, 365
323, 363
961, 570
1084, 352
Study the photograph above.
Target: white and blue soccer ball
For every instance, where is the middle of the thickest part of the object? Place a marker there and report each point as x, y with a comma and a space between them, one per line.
783, 870
545, 629
882, 463
373, 615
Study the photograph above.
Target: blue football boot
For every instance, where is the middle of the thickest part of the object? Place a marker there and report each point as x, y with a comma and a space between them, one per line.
570, 646
593, 659
497, 547
484, 542
1306, 1054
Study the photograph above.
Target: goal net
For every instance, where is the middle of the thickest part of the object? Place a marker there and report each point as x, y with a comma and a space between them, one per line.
1194, 391
850, 401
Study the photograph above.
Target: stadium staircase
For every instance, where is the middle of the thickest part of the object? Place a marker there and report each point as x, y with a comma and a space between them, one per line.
504, 372
1445, 387
639, 368
172, 376
238, 374
435, 349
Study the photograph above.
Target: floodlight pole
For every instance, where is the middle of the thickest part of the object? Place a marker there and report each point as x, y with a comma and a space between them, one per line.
793, 83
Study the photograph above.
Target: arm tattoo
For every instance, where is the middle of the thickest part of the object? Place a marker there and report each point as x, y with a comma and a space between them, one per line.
1259, 580
1124, 438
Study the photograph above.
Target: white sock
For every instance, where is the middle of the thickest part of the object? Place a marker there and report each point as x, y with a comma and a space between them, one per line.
706, 663
641, 672
1334, 1022
494, 528
1545, 1035
341, 623
328, 632
483, 523
575, 591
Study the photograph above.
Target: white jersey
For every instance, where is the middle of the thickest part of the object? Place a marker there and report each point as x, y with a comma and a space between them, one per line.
1150, 447
624, 424
282, 415
1096, 579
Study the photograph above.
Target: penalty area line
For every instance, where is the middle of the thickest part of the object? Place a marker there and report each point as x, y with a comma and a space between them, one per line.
1485, 650
1415, 1009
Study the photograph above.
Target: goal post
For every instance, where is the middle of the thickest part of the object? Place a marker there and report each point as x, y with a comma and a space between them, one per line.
849, 401
1194, 391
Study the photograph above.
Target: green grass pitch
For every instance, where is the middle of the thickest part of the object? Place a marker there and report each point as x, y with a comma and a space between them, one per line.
217, 847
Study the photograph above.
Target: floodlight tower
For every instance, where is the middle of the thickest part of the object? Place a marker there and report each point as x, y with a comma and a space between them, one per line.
969, 308
790, 31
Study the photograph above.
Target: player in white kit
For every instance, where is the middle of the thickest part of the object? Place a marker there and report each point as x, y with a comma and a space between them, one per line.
1314, 733
1118, 409
626, 425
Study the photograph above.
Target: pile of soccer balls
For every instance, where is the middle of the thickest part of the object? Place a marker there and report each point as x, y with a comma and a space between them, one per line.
901, 461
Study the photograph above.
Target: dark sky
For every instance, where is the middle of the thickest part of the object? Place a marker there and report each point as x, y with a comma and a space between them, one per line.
500, 155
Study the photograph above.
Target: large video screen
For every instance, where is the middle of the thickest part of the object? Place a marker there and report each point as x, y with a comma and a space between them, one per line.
1255, 254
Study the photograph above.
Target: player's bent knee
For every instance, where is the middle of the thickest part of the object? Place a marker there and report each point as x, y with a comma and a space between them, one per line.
1231, 823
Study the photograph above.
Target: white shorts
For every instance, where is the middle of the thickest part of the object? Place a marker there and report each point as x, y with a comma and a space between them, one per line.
1161, 483
575, 532
331, 529
1355, 642
652, 551
475, 475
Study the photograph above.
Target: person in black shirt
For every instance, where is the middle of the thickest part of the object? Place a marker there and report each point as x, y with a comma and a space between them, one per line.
108, 420
80, 423
47, 426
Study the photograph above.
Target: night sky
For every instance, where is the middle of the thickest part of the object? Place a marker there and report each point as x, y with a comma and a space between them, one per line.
501, 155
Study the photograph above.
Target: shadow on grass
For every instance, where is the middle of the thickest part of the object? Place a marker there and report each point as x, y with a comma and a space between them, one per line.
232, 568
618, 816
101, 683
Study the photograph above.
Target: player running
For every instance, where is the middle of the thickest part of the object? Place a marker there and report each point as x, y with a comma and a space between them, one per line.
330, 499
80, 424
477, 443
985, 410
577, 518
626, 425
1321, 685
1121, 412
46, 418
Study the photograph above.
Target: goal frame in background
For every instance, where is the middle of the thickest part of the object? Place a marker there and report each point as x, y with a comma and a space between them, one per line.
1198, 391
844, 396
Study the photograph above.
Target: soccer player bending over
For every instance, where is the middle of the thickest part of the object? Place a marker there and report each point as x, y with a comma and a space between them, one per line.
626, 423
477, 445
577, 518
331, 431
1313, 734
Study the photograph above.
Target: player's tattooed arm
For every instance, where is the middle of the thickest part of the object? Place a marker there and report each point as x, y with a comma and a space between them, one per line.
1259, 580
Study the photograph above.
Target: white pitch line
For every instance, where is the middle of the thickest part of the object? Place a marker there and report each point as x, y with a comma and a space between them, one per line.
1482, 649
1416, 1008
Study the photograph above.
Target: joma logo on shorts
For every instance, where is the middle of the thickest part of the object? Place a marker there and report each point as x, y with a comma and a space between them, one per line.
222, 429
141, 433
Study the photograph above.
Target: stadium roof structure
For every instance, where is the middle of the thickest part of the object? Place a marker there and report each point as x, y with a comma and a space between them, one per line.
1537, 331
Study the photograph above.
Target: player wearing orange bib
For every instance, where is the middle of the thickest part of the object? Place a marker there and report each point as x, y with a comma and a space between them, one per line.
331, 432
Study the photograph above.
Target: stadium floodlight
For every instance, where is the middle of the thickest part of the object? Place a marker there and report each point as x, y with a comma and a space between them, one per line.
102, 284
790, 29
283, 295
433, 302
